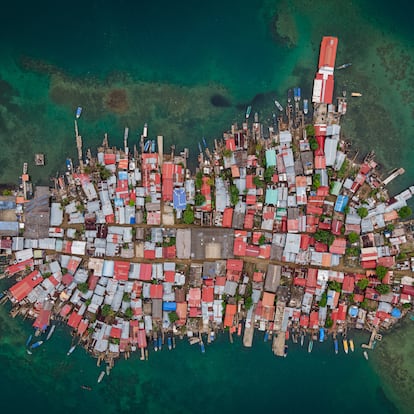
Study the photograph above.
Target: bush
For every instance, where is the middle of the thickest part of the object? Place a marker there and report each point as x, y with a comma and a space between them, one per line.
310, 130
381, 271
199, 199
324, 236
83, 287
334, 285
188, 216
353, 237
363, 283
234, 195
248, 303
258, 182
316, 182
324, 300
383, 289
173, 317
405, 212
362, 212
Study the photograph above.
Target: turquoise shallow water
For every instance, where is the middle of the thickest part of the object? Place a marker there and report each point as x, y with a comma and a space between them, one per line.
161, 62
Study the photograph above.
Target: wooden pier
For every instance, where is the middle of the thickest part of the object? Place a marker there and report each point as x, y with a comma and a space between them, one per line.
393, 175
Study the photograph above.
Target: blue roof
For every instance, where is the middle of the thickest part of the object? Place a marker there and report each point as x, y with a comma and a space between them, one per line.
169, 306
353, 311
396, 313
179, 199
119, 202
122, 175
7, 205
341, 203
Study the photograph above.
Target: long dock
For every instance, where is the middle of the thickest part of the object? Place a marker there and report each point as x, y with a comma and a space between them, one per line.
394, 175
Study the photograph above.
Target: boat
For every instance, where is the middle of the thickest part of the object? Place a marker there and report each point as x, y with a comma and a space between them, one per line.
212, 336
69, 164
266, 336
147, 146
278, 106
71, 349
351, 345
310, 346
344, 66
169, 343
159, 343
86, 387
36, 344
336, 345
203, 349
302, 339
356, 94
101, 375
200, 150
28, 340
50, 333
204, 143
29, 352
299, 94
194, 340
321, 334
239, 329
345, 343
285, 351
154, 344
153, 145
248, 110
365, 353
78, 112
305, 106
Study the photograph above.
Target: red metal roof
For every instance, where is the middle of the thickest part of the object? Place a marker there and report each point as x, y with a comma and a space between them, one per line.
312, 277
21, 289
327, 54
229, 317
74, 320
19, 267
348, 284
115, 332
145, 271
314, 320
304, 321
208, 294
42, 320
227, 217
156, 291
121, 270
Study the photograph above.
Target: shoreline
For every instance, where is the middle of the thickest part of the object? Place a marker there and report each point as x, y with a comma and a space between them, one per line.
135, 247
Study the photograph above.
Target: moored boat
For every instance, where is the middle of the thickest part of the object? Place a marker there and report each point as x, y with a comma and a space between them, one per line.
351, 345
310, 346
321, 334
71, 349
29, 352
169, 343
78, 112
302, 339
305, 106
356, 94
365, 353
248, 110
28, 340
278, 106
86, 387
203, 349
36, 344
50, 333
336, 345
266, 336
344, 66
345, 344
159, 343
285, 351
101, 375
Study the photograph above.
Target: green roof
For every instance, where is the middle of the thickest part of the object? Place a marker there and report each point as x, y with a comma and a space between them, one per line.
270, 158
271, 196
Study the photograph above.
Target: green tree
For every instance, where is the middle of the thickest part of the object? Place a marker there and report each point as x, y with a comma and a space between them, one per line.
363, 283
199, 180
258, 182
313, 144
268, 174
227, 153
362, 212
83, 287
390, 227
262, 240
310, 130
248, 303
383, 289
199, 199
234, 195
316, 182
173, 317
364, 304
106, 310
324, 300
129, 313
88, 302
404, 212
7, 192
324, 236
126, 297
334, 285
353, 237
401, 256
328, 322
188, 216
381, 271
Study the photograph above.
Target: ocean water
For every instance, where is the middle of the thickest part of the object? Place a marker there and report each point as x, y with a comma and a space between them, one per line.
189, 69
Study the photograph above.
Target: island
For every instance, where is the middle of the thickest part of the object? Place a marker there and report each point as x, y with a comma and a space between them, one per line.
280, 229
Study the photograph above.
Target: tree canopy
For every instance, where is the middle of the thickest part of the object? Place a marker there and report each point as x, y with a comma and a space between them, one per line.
362, 212
381, 271
363, 283
383, 289
405, 212
353, 237
188, 216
